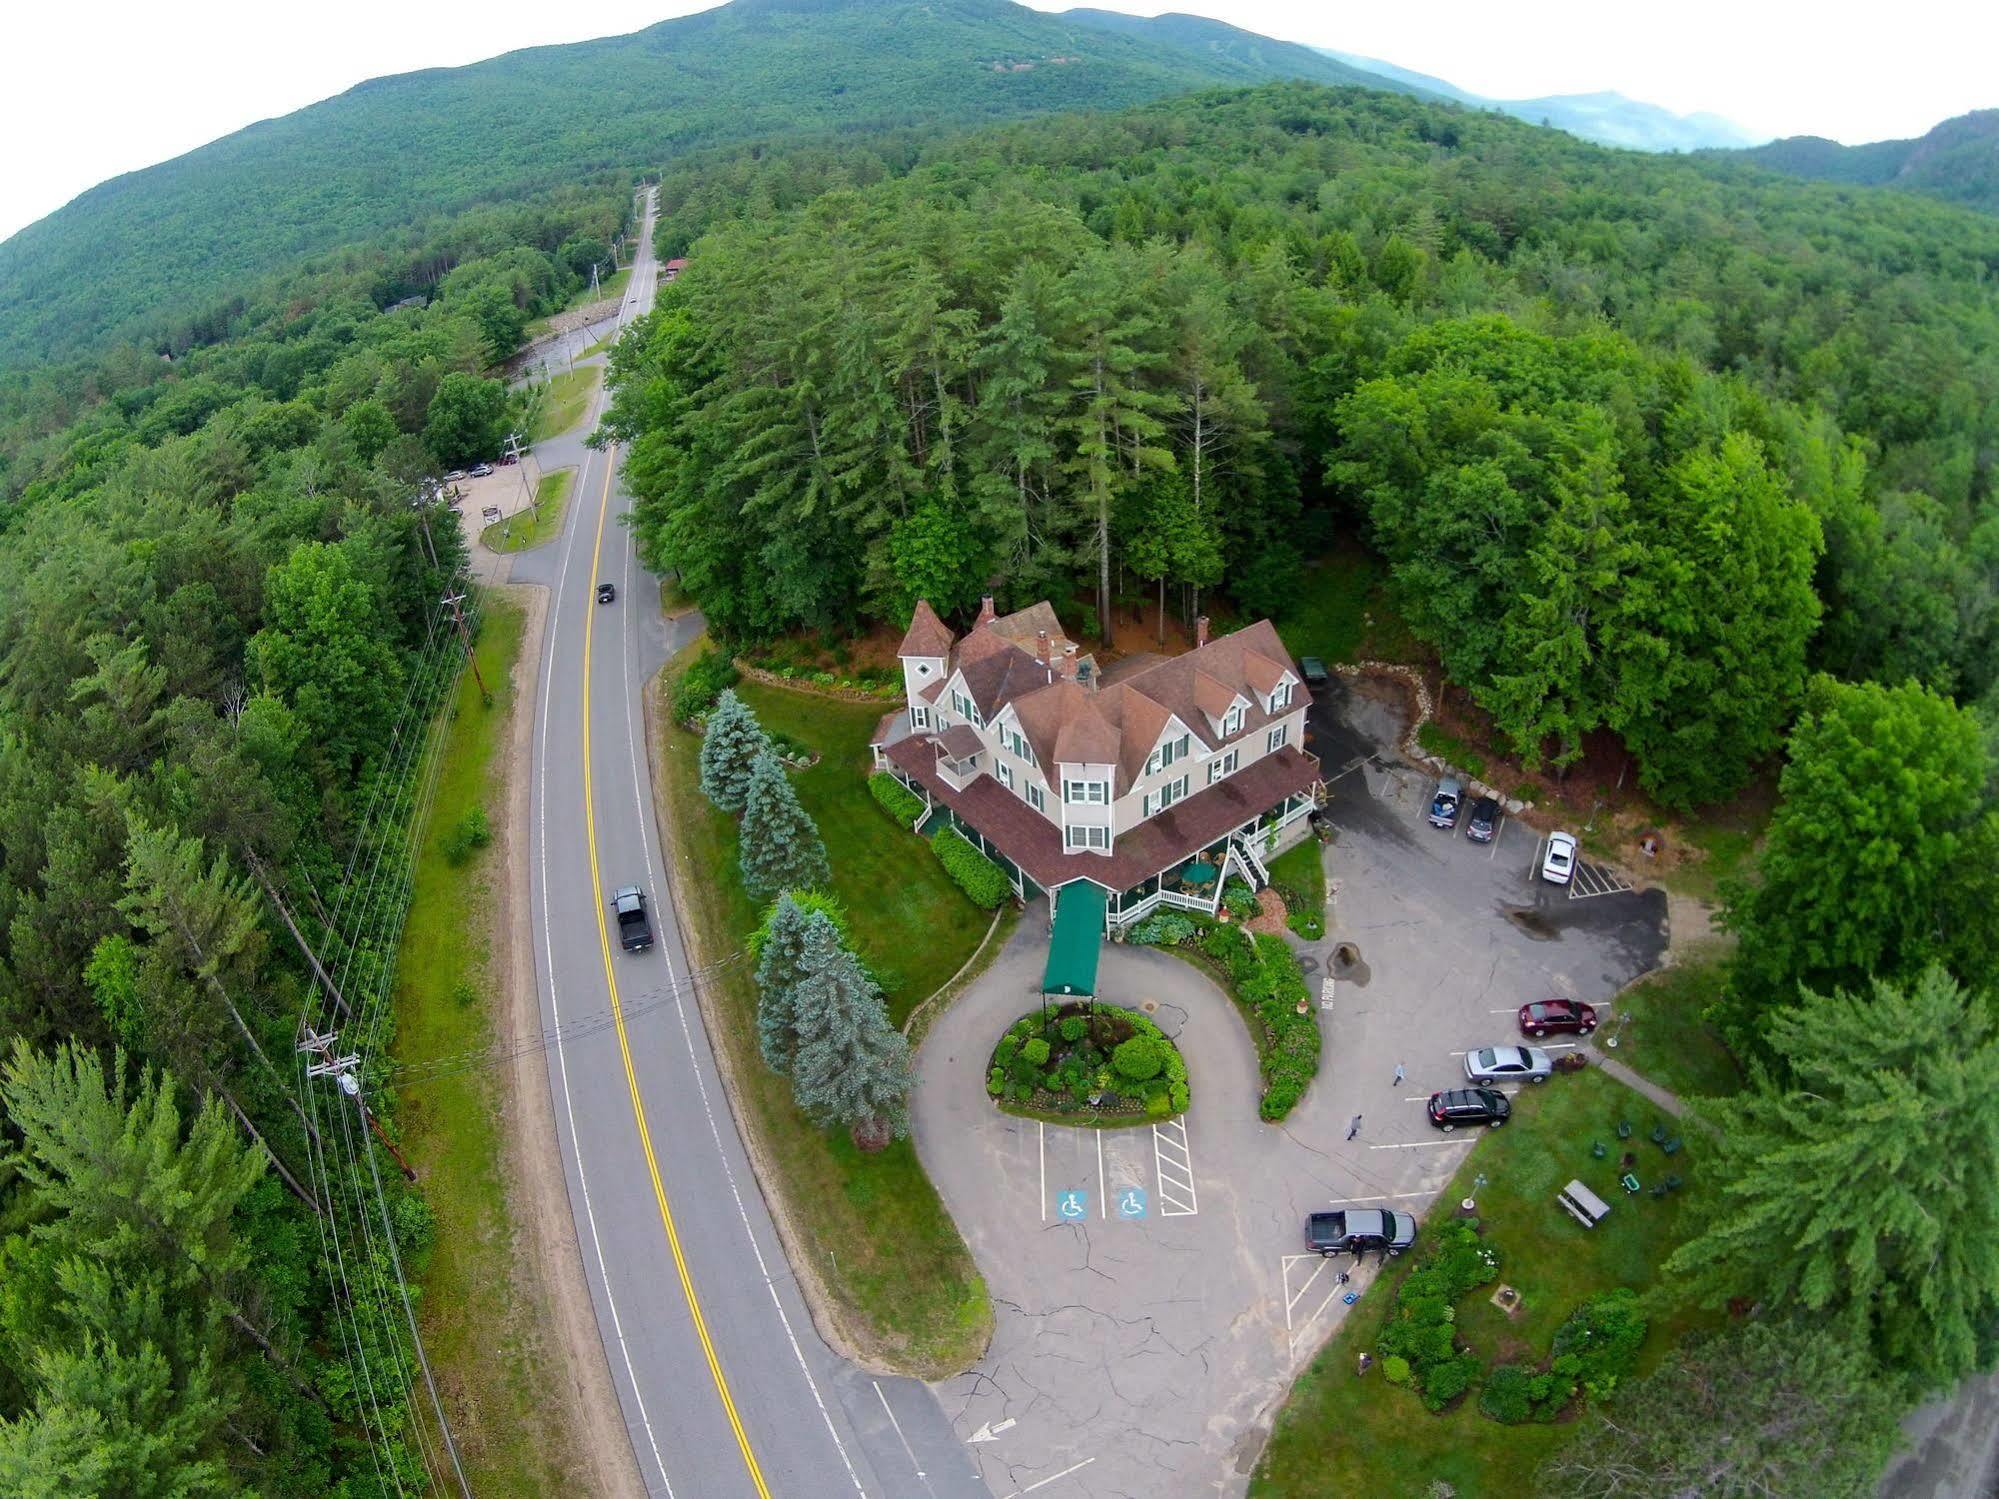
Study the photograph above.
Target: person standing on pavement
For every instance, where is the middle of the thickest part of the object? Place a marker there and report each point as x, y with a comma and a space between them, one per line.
1398, 1074
1354, 1128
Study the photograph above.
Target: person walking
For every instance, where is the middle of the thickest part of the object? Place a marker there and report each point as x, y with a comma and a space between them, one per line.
1398, 1074
1354, 1128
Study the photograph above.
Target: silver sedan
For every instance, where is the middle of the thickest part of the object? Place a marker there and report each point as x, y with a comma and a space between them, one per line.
1508, 1064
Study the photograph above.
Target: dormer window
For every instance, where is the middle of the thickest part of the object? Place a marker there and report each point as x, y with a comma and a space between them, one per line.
1280, 697
1232, 723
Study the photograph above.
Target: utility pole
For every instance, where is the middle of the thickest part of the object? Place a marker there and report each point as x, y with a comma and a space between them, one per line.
343, 1071
594, 288
465, 635
517, 453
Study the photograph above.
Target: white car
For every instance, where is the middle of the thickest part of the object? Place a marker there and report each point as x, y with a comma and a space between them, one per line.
1558, 864
1508, 1064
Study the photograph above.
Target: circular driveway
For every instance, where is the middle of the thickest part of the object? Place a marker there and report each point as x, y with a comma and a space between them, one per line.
1131, 1354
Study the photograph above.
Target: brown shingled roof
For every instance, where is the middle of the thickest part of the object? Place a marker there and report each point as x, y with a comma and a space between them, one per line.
927, 635
961, 741
1212, 697
1084, 737
1159, 843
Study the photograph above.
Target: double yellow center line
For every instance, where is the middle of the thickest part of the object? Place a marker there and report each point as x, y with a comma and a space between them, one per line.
624, 1042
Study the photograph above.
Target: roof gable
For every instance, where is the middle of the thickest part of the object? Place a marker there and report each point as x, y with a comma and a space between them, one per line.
927, 635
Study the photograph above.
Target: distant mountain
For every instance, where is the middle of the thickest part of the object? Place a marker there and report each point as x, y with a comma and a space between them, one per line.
1958, 161
1608, 118
1223, 43
135, 253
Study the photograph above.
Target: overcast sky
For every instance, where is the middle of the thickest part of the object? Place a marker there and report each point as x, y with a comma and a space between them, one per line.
102, 87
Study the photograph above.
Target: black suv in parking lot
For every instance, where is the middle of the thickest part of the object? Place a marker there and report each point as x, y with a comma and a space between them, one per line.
1457, 1106
1355, 1230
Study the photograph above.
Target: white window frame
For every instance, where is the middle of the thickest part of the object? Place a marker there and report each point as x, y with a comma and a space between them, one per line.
1094, 793
1222, 765
1035, 798
1280, 697
1232, 721
919, 716
1005, 773
1276, 739
1086, 835
1165, 796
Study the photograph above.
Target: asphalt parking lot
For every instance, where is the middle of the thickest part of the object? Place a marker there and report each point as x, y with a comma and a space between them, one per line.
1153, 1301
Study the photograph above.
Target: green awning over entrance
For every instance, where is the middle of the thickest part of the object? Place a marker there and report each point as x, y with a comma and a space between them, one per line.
1076, 940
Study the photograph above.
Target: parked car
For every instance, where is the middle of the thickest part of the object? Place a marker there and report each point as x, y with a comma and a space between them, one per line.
607, 593
634, 926
1356, 1230
1558, 864
1508, 1064
482, 470
455, 476
1545, 1015
1457, 1106
1314, 669
1484, 820
1444, 805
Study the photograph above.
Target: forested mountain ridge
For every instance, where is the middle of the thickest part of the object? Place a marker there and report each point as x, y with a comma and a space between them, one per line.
132, 255
1958, 161
1271, 58
1726, 427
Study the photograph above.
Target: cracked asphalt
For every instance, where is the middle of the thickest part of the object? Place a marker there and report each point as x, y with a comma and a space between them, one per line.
1148, 1355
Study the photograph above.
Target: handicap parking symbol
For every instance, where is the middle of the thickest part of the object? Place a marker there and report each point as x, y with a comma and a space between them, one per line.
1131, 1203
1071, 1203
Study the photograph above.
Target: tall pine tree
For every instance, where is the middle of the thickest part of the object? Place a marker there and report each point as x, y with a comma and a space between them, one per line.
781, 848
851, 1066
729, 748
780, 969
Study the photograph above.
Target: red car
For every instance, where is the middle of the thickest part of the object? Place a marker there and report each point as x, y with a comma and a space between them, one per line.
1557, 1015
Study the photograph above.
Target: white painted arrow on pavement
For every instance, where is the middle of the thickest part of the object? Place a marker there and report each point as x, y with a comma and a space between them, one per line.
990, 1431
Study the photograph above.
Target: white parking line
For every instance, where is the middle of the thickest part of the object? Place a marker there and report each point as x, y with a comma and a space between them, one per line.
1424, 1144
1041, 1147
1044, 1482
1392, 1197
1173, 1170
1103, 1208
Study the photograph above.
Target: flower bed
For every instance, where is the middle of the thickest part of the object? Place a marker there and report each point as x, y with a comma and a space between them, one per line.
1419, 1347
1088, 1063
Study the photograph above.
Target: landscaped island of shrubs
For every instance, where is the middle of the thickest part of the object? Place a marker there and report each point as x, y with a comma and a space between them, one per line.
1088, 1063
1269, 988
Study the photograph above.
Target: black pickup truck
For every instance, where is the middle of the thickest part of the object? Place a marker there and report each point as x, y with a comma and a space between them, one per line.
634, 926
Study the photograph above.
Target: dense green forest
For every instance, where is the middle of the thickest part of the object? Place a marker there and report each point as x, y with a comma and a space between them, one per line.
222, 640
141, 255
1641, 443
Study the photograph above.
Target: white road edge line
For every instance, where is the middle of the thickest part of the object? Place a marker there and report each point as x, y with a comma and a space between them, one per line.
1426, 1144
555, 1002
1041, 1148
883, 1398
693, 1059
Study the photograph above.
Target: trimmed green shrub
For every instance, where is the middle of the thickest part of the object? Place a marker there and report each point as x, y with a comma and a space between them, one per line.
1239, 899
1139, 1058
1007, 1050
1507, 1395
698, 686
1073, 1028
1157, 1106
995, 1082
465, 837
1180, 1097
974, 873
1395, 1369
896, 799
1162, 929
1423, 1327
1036, 1051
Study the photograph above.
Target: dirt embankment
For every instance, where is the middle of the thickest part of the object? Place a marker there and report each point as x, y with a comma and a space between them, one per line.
547, 1253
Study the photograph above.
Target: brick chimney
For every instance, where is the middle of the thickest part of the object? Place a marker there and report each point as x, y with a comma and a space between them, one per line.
1067, 665
986, 613
1200, 632
1041, 652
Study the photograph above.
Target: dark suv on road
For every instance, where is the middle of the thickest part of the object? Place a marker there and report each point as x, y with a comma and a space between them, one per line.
1357, 1230
1457, 1106
634, 926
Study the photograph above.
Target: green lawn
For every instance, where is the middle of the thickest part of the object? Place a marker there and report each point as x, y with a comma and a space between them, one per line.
517, 533
562, 402
1665, 1037
1300, 870
483, 1316
903, 1281
1343, 1434
1345, 614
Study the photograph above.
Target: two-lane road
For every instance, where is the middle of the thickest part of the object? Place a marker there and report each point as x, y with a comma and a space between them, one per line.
725, 1386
